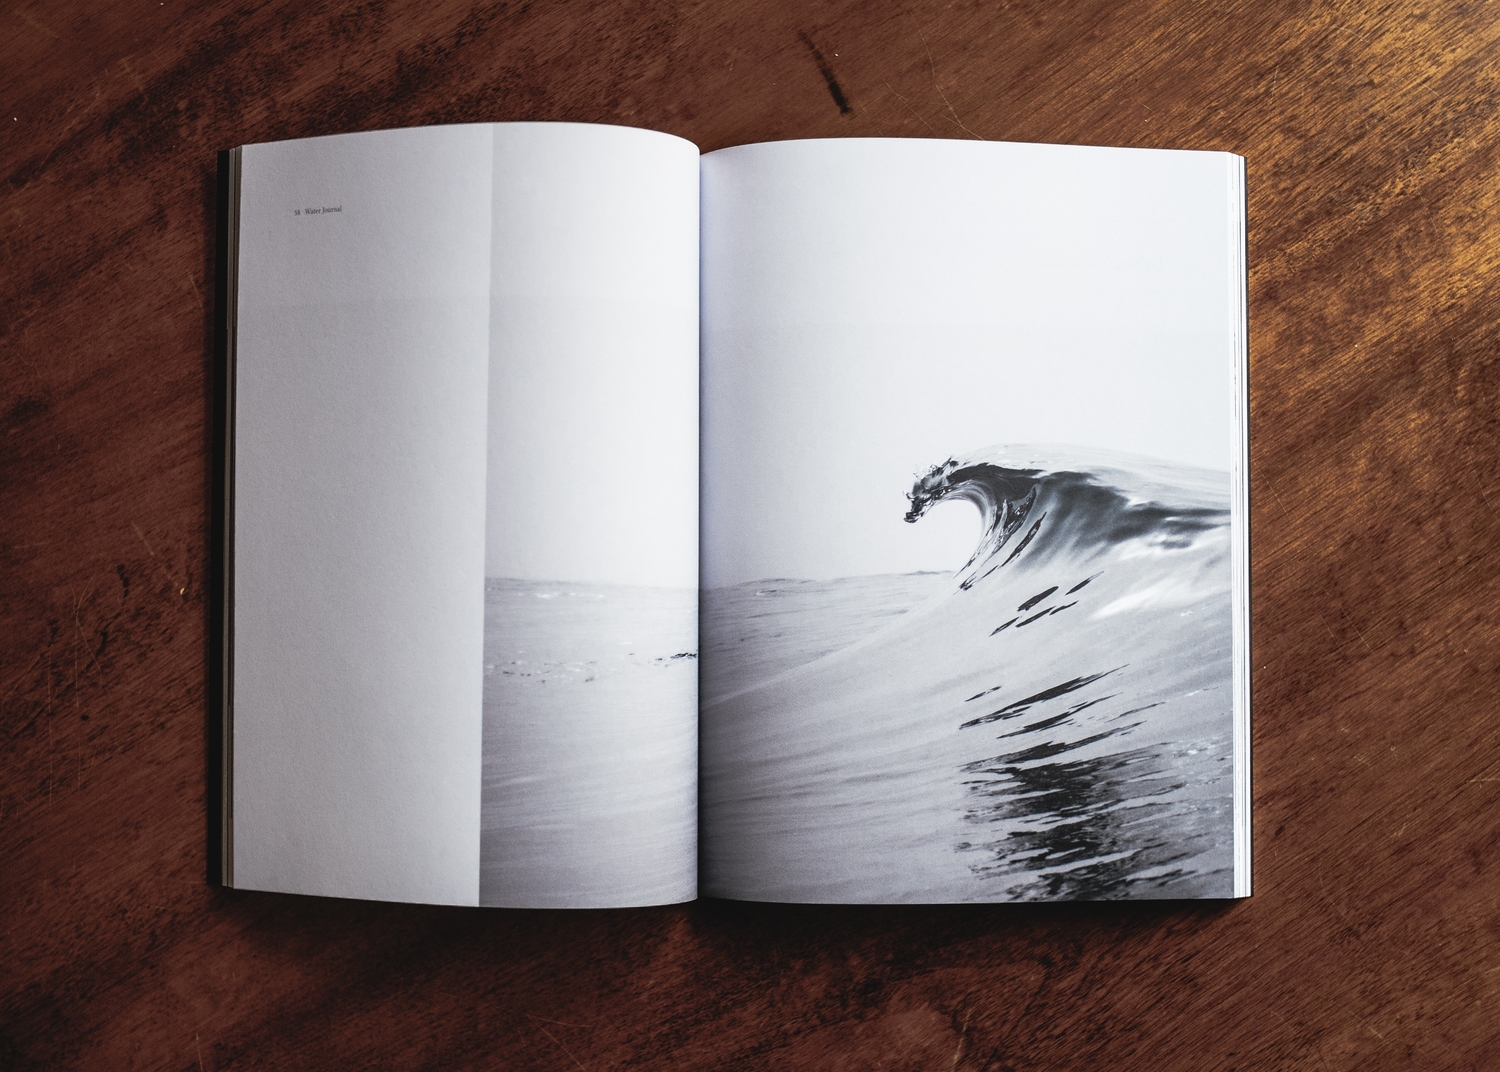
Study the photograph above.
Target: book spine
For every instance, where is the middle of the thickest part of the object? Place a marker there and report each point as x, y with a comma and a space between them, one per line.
221, 616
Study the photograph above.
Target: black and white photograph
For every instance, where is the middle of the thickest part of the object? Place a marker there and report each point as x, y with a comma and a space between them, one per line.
968, 557
591, 521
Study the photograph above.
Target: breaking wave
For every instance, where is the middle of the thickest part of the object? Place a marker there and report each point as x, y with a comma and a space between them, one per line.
1053, 722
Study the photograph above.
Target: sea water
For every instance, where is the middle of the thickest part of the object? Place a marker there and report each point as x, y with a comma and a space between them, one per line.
1052, 721
589, 791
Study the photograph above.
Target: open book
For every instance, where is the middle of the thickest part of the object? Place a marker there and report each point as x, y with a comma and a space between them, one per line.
822, 521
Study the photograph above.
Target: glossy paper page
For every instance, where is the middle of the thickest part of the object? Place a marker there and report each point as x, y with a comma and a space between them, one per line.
591, 598
466, 509
1031, 694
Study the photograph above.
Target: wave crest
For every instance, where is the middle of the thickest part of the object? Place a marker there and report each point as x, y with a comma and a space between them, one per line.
1080, 501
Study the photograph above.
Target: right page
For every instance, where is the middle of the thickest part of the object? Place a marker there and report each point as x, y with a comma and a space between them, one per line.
591, 520
975, 570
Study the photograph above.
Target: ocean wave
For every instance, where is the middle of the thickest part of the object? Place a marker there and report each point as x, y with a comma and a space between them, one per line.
1087, 502
1055, 723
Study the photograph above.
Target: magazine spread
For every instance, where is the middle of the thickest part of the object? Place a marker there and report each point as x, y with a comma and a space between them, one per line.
972, 570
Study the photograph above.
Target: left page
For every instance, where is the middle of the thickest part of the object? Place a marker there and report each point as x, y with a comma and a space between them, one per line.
360, 369
463, 564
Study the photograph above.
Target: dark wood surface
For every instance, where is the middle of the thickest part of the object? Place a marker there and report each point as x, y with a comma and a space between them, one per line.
1373, 940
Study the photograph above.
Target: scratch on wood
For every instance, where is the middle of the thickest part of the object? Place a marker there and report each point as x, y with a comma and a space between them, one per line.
181, 589
28, 20
932, 66
1357, 632
15, 682
1486, 499
58, 140
565, 1050
559, 1023
83, 640
958, 1053
1316, 1049
133, 76
1296, 553
909, 108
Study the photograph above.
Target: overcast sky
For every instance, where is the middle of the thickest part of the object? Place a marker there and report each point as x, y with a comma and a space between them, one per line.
593, 380
871, 307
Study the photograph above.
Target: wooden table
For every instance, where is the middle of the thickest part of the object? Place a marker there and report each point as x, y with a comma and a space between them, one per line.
1373, 940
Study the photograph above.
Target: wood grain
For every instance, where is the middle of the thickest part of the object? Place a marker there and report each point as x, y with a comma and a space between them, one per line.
1373, 941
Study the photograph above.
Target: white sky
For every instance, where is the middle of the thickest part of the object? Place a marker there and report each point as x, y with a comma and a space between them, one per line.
871, 307
593, 385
